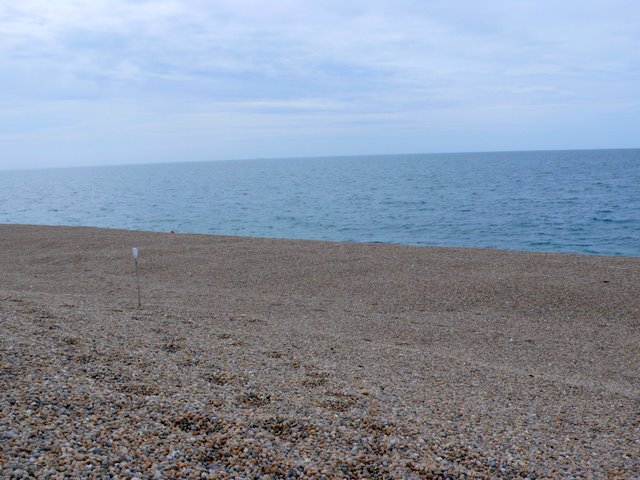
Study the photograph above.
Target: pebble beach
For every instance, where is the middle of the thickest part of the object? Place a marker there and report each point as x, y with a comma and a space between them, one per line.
280, 359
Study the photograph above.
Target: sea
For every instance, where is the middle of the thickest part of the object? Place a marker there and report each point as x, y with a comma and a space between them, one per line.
585, 201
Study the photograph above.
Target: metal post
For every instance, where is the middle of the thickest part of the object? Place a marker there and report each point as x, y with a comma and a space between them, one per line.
135, 258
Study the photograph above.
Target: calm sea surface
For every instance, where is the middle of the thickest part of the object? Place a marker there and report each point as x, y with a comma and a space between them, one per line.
565, 201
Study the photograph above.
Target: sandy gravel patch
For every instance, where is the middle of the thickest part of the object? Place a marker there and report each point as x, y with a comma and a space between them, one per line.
258, 358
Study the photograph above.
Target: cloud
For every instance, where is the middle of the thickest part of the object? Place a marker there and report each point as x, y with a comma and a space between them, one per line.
366, 67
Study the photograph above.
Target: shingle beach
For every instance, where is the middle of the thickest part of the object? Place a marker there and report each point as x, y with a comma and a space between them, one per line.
262, 358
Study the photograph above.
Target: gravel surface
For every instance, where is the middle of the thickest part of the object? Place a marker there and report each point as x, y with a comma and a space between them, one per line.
259, 358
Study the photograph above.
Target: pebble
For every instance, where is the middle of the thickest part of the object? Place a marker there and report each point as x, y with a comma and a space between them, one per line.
118, 405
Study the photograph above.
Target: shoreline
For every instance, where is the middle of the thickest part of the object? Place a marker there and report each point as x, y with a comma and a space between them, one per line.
304, 358
371, 243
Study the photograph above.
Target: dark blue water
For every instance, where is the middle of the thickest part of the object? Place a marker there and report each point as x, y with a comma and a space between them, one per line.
565, 201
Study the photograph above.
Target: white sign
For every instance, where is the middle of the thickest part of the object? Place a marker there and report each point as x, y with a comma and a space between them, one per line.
135, 252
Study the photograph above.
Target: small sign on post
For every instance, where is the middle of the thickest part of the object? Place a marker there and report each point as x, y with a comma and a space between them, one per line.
135, 253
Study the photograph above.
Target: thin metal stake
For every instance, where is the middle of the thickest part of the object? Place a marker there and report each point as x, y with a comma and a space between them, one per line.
135, 258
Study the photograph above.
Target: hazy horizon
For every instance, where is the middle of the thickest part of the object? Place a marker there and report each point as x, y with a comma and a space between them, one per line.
318, 157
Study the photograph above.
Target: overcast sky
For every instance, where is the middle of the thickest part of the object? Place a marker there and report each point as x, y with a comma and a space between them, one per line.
86, 82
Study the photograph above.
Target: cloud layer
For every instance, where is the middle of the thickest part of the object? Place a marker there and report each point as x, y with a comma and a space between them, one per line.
118, 81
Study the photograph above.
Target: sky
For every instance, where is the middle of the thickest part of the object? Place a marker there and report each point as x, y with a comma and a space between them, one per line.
90, 82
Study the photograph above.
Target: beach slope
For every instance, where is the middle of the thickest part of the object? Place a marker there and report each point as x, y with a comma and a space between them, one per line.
262, 358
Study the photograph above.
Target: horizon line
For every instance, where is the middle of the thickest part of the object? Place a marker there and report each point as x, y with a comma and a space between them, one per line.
312, 157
